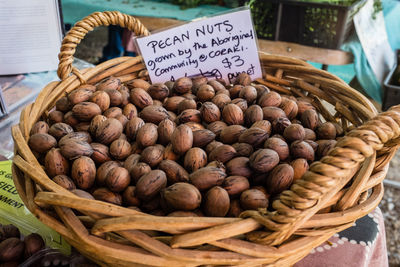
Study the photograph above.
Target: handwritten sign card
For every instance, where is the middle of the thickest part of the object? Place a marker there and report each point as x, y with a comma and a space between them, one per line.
217, 47
373, 37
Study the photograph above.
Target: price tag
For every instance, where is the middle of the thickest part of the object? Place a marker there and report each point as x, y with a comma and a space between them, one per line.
218, 47
371, 31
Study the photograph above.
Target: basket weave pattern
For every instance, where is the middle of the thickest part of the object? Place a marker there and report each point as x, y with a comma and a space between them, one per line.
349, 179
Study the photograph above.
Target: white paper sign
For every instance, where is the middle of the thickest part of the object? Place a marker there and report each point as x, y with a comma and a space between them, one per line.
374, 40
217, 47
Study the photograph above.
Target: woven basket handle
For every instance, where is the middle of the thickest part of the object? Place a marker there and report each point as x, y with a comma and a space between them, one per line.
81, 28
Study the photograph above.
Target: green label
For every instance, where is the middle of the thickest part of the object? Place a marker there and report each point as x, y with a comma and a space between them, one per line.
13, 211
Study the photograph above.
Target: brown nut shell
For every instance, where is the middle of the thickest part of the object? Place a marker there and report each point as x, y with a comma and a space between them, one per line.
189, 115
249, 93
132, 127
73, 148
186, 104
152, 155
83, 172
147, 135
55, 163
169, 153
131, 160
279, 146
326, 130
182, 139
234, 209
175, 172
216, 127
182, 196
235, 185
120, 149
129, 197
106, 195
202, 138
302, 149
253, 114
213, 145
112, 112
230, 134
150, 184
239, 166
309, 119
118, 179
271, 99
101, 153
95, 123
77, 136
158, 91
183, 85
65, 182
41, 142
130, 111
79, 95
253, 199
254, 136
102, 171
154, 114
264, 160
40, 127
85, 111
290, 108
138, 170
216, 202
241, 103
280, 179
11, 249
324, 146
140, 98
280, 124
171, 103
63, 104
139, 83
210, 112
108, 131
33, 243
294, 132
232, 114
165, 130
205, 93
221, 100
222, 153
55, 116
102, 99
263, 124
300, 166
109, 83
273, 113
60, 129
207, 177
195, 158
243, 149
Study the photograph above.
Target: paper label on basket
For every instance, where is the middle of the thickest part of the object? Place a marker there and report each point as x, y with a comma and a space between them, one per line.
13, 211
371, 30
217, 47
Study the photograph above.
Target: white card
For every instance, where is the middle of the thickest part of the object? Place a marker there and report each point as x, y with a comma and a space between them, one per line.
374, 40
218, 47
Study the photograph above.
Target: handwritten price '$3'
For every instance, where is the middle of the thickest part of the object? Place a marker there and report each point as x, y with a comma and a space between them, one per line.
234, 60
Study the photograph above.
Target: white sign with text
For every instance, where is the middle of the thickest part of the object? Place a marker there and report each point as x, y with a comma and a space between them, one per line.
371, 31
218, 47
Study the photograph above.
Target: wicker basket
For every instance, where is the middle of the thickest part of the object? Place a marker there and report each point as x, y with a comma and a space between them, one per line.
348, 180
